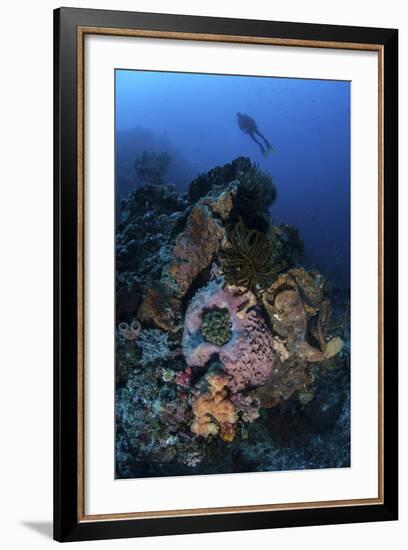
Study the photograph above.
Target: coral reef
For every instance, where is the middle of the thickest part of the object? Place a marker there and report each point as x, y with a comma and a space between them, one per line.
150, 218
287, 378
224, 363
161, 309
152, 167
128, 295
184, 379
221, 204
218, 178
127, 356
153, 426
289, 245
248, 405
248, 260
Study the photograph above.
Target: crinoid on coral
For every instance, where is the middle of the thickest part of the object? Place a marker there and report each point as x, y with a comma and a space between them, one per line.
255, 194
248, 260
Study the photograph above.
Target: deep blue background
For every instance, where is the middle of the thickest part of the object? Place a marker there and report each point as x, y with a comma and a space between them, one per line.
193, 117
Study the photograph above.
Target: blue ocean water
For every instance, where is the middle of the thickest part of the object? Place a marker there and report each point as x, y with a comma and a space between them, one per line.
193, 118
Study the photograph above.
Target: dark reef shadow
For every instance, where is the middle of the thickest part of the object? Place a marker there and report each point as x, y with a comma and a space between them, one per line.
44, 528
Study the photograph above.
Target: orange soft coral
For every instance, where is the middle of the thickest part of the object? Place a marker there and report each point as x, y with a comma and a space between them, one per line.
214, 413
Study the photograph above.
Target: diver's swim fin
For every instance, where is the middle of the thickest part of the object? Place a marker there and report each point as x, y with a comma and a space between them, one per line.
268, 151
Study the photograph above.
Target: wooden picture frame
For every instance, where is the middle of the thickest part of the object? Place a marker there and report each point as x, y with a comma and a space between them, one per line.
70, 520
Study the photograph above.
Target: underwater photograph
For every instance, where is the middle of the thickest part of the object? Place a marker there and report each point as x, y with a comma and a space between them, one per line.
232, 274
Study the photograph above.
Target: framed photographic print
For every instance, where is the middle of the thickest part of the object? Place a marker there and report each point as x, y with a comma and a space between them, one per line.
225, 274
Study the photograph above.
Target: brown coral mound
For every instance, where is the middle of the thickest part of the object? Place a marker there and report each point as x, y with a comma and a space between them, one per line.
221, 205
310, 285
195, 247
161, 309
290, 321
214, 413
296, 306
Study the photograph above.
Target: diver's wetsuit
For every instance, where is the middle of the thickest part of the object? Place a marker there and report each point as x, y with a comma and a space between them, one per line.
249, 127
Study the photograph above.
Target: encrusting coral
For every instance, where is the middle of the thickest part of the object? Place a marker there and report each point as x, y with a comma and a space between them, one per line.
248, 260
195, 248
214, 413
216, 327
247, 405
286, 379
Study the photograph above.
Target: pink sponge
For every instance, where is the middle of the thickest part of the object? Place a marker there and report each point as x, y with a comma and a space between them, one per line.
248, 357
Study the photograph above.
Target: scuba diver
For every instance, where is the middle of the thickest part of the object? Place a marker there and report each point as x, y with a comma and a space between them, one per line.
249, 127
